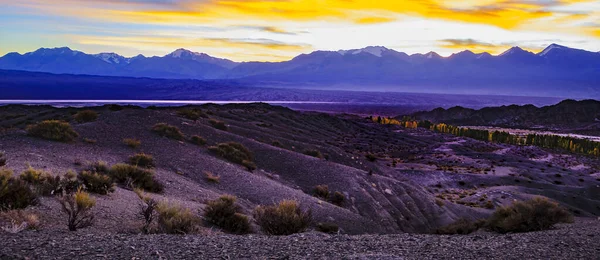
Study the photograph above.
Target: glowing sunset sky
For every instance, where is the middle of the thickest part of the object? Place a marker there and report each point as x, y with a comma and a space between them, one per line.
272, 30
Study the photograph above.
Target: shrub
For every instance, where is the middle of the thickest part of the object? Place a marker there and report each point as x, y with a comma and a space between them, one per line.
53, 130
250, 166
14, 193
34, 177
286, 218
462, 226
78, 207
338, 198
314, 153
99, 167
225, 213
147, 211
191, 114
133, 143
86, 116
142, 160
135, 177
2, 159
174, 219
234, 152
90, 141
218, 124
371, 157
329, 228
525, 216
211, 177
321, 191
97, 183
46, 184
19, 220
169, 131
198, 140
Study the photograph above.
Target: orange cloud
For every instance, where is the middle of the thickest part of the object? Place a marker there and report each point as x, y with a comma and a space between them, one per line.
479, 47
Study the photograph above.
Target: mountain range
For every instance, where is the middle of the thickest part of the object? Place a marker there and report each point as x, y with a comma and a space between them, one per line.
555, 71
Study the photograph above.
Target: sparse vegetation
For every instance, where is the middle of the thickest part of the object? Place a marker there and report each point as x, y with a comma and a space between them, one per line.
209, 176
338, 198
86, 116
175, 219
142, 160
46, 184
226, 214
99, 167
525, 216
2, 159
191, 114
78, 207
19, 220
314, 153
235, 152
169, 131
198, 140
147, 211
321, 191
90, 141
329, 228
371, 157
218, 124
131, 142
97, 183
53, 130
462, 226
14, 193
286, 218
135, 177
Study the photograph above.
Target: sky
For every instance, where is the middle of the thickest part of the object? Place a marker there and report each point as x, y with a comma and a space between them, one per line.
277, 30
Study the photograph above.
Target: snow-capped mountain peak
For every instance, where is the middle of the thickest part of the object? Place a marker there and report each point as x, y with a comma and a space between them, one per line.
373, 50
112, 58
512, 50
179, 53
550, 48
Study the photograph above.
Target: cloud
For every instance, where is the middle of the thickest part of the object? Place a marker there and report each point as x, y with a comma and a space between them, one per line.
480, 46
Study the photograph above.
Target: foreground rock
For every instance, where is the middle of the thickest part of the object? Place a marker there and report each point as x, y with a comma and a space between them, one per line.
580, 240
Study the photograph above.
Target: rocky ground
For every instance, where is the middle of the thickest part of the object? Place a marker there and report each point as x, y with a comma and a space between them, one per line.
580, 240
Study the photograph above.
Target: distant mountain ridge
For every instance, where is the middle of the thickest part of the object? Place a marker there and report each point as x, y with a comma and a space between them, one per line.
555, 71
568, 114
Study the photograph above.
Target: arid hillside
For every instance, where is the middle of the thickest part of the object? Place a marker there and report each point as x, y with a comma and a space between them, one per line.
379, 179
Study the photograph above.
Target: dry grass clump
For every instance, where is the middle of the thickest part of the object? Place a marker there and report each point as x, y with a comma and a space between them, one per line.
142, 160
2, 159
15, 193
525, 216
198, 140
99, 167
218, 124
314, 153
46, 184
86, 116
169, 131
226, 214
235, 152
78, 207
191, 114
286, 218
147, 211
19, 220
132, 176
53, 130
209, 176
329, 228
174, 219
132, 142
97, 183
462, 226
321, 191
337, 198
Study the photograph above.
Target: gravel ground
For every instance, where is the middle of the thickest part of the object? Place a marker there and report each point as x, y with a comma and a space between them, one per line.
580, 240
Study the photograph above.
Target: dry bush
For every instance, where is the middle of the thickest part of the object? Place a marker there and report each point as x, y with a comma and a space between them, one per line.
338, 198
2, 159
131, 142
286, 218
174, 219
90, 141
329, 228
321, 191
99, 167
169, 131
53, 130
19, 220
226, 214
15, 193
218, 124
78, 207
462, 226
191, 114
531, 215
314, 153
209, 176
371, 157
135, 177
97, 183
142, 160
147, 211
198, 140
86, 116
235, 152
46, 184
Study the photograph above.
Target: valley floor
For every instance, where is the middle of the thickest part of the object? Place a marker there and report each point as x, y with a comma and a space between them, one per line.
580, 240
